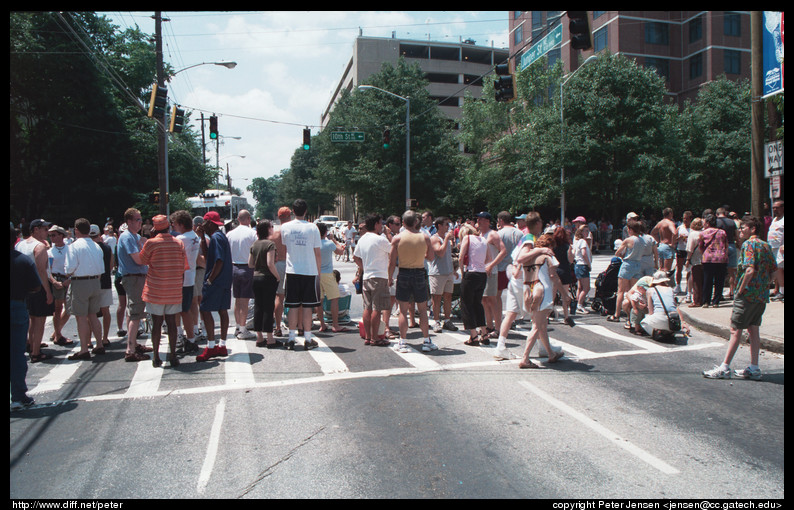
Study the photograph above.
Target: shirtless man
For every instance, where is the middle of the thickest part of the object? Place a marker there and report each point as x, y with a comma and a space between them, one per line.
666, 234
284, 215
411, 247
498, 251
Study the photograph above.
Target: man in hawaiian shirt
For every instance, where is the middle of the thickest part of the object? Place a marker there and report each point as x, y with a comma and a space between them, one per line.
756, 268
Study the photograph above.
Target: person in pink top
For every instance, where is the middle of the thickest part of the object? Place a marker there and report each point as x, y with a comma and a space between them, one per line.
474, 256
713, 245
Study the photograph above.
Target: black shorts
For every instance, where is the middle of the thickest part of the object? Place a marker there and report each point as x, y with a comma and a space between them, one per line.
412, 285
302, 290
37, 303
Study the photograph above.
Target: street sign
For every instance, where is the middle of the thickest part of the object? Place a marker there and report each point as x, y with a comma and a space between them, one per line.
347, 136
542, 47
773, 162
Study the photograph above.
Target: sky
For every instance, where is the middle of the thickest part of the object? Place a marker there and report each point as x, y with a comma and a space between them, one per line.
288, 65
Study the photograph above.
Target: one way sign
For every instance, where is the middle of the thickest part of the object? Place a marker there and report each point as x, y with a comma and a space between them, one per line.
774, 159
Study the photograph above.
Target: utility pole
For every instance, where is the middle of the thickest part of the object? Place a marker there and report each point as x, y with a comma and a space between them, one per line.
162, 138
758, 185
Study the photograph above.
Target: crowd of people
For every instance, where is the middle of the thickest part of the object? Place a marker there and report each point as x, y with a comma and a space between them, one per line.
181, 270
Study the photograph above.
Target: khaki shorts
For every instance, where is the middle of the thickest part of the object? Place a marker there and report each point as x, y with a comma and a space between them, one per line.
746, 314
491, 285
133, 286
158, 309
375, 293
328, 286
85, 297
441, 284
199, 281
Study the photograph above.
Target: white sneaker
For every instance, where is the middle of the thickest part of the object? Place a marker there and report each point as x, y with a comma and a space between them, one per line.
748, 373
717, 373
437, 327
402, 347
429, 346
542, 351
244, 334
504, 354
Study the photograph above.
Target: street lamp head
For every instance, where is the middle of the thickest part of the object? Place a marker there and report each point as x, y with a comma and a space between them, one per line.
228, 65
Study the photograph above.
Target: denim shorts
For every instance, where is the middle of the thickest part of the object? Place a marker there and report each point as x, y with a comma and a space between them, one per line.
733, 256
412, 285
581, 271
630, 269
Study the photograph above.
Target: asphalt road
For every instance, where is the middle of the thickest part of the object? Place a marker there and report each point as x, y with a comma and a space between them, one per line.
618, 417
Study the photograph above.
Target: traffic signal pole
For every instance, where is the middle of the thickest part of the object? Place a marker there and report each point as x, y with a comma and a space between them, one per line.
162, 131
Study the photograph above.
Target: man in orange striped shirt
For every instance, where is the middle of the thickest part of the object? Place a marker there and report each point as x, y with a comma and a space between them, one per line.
162, 293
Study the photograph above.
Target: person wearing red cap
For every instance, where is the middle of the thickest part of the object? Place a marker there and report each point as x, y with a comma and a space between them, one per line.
216, 294
162, 291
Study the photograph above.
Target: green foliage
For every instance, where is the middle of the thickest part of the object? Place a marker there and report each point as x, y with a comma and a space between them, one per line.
374, 174
81, 144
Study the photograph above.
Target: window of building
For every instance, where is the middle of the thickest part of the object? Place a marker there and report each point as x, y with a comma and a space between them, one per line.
518, 35
598, 14
733, 62
733, 24
695, 66
601, 38
656, 33
696, 29
537, 24
660, 65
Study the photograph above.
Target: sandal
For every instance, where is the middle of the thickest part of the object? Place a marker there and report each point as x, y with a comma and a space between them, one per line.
381, 342
612, 318
473, 340
528, 364
340, 330
41, 357
553, 357
65, 342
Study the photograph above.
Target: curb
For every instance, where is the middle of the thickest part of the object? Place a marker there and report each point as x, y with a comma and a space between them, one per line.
768, 343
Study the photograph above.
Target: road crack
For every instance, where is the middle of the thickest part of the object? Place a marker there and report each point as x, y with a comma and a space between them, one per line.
272, 468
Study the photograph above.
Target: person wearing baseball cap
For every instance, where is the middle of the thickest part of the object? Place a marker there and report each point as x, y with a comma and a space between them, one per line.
40, 304
216, 293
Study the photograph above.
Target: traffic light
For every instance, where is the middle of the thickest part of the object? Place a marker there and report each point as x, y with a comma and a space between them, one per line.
386, 138
505, 84
214, 127
158, 101
307, 139
579, 28
177, 120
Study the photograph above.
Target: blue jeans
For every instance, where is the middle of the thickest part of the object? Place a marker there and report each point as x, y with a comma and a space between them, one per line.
19, 335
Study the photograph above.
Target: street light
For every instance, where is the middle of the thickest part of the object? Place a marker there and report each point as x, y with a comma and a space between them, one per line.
562, 125
228, 65
407, 140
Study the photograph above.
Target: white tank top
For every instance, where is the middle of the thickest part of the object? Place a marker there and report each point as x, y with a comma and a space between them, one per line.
477, 253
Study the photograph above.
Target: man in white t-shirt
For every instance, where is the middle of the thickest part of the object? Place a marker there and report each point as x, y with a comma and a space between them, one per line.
182, 224
241, 238
372, 257
302, 288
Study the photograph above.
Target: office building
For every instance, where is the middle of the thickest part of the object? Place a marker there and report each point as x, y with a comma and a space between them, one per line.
687, 48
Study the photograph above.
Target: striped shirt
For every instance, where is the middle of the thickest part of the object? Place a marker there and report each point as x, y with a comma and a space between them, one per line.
165, 256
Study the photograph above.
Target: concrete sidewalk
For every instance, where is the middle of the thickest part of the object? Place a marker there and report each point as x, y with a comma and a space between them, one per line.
717, 321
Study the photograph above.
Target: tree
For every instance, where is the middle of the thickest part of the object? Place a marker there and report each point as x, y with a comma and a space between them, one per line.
376, 175
81, 143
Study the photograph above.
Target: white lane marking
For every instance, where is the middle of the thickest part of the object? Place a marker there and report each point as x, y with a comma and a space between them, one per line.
639, 342
237, 365
627, 445
327, 359
58, 376
147, 378
212, 446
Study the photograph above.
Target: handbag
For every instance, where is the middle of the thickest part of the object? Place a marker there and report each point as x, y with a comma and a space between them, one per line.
673, 322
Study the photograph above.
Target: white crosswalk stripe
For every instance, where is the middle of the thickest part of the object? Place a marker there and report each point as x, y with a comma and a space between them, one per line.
241, 370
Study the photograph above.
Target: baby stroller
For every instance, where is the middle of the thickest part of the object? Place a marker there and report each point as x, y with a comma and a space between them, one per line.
606, 288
